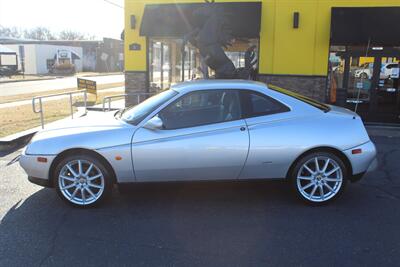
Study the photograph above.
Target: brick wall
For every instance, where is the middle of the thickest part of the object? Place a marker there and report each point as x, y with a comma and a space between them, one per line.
311, 86
135, 82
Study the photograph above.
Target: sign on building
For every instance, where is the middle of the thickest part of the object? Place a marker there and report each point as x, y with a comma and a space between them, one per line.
89, 85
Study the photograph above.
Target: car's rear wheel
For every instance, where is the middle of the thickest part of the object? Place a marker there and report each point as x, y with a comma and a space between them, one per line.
82, 180
319, 178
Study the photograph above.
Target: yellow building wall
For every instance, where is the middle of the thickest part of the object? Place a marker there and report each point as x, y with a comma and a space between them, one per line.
283, 50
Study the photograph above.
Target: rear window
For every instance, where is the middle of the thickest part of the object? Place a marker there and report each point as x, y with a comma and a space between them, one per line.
255, 104
300, 97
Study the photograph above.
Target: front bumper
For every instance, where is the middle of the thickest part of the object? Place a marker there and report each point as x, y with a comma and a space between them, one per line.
35, 169
39, 181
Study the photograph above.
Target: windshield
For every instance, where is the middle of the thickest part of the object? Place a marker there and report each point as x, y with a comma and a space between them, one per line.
300, 97
137, 113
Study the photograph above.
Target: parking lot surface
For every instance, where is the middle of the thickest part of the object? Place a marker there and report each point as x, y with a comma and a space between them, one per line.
205, 224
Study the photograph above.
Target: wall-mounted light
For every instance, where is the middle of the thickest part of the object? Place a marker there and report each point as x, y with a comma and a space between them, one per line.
133, 22
135, 47
296, 20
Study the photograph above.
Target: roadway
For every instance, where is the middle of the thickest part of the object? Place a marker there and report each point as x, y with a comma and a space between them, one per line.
16, 88
205, 224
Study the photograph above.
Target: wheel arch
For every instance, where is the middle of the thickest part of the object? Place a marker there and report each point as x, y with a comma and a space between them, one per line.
85, 151
332, 150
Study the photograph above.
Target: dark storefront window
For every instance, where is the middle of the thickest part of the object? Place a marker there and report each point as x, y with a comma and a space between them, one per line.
366, 81
166, 64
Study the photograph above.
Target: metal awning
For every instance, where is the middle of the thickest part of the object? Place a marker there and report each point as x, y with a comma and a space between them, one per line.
176, 20
359, 25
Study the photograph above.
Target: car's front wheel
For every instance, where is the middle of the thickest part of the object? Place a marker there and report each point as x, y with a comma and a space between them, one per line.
82, 180
319, 178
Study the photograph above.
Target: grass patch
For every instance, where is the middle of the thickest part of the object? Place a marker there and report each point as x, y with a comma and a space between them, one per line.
21, 118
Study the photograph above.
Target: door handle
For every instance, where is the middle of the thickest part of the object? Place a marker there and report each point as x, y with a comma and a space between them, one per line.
243, 128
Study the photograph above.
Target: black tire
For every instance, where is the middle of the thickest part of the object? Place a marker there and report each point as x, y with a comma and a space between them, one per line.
102, 194
304, 188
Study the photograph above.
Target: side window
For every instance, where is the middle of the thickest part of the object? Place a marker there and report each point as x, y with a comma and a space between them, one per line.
255, 104
201, 108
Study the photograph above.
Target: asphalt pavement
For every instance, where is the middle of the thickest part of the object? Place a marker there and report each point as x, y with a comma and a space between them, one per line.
205, 224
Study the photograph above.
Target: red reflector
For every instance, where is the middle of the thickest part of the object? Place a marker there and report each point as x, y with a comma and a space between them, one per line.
41, 159
356, 151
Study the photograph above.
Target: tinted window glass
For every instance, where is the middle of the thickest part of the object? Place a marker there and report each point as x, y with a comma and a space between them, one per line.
200, 108
255, 104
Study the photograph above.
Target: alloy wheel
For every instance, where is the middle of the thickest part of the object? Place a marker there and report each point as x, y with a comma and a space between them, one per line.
81, 182
319, 179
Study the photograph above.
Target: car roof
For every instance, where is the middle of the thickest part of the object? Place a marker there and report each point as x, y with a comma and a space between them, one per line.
217, 84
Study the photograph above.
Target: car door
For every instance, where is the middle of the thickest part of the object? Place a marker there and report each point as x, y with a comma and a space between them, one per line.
203, 138
266, 119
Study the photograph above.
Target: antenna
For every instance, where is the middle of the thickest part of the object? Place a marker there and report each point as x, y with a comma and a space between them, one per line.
362, 78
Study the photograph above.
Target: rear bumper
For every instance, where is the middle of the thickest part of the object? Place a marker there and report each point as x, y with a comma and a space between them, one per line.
363, 162
357, 177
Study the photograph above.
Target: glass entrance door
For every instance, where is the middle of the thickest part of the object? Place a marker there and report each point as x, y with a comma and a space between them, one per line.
359, 83
368, 85
387, 103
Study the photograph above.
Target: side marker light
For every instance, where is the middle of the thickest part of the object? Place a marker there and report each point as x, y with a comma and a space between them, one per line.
356, 151
41, 159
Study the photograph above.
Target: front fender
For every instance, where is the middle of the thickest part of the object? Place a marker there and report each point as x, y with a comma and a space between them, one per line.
55, 141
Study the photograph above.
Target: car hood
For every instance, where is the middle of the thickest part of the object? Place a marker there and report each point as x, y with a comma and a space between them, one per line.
94, 131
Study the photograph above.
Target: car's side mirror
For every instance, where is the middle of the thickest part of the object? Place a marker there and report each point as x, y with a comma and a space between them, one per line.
154, 123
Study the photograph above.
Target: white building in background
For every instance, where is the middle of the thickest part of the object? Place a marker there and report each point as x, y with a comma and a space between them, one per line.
8, 58
90, 53
37, 57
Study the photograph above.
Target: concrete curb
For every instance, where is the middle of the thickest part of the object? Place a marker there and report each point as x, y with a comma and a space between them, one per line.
101, 109
102, 74
382, 130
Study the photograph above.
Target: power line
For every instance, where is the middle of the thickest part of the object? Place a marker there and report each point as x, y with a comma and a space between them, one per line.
114, 4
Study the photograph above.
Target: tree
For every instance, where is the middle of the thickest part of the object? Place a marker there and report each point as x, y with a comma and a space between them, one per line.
43, 34
73, 35
11, 32
39, 33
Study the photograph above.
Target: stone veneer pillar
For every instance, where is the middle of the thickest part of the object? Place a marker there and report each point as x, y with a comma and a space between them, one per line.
135, 82
314, 87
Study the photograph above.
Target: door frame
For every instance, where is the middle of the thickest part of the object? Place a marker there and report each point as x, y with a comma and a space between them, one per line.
371, 113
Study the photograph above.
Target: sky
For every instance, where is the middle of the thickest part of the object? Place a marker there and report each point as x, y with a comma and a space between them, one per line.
94, 17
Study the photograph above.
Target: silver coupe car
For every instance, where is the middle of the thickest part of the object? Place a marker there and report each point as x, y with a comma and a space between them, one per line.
205, 130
